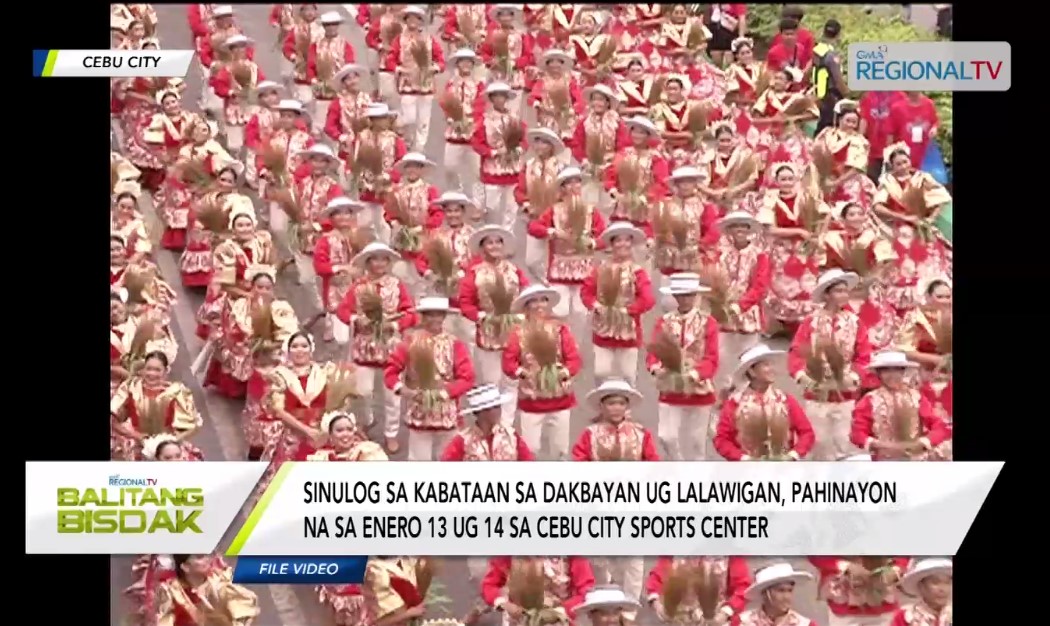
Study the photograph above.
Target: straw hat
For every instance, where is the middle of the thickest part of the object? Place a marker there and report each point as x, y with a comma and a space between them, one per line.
237, 40
414, 158
331, 416
490, 230
484, 397
463, 54
505, 8
346, 70
686, 173
606, 597
620, 229
531, 293
498, 87
922, 570
332, 17
890, 359
341, 203
613, 388
602, 89
646, 124
758, 353
555, 54
434, 304
831, 278
684, 283
568, 173
418, 11
380, 109
373, 249
734, 218
773, 575
545, 134
290, 105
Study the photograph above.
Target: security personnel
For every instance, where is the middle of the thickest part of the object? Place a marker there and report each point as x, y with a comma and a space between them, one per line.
828, 83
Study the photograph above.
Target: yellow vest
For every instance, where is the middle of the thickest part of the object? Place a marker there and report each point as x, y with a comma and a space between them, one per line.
821, 75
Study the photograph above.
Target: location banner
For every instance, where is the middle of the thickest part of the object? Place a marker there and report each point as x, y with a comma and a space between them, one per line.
312, 510
111, 63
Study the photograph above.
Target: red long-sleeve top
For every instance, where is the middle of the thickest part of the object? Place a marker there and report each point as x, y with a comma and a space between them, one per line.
525, 60
727, 437
222, 82
364, 16
469, 299
450, 26
456, 450
462, 369
581, 580
437, 59
198, 25
513, 366
578, 143
643, 302
835, 566
311, 59
541, 228
347, 310
659, 171
738, 579
859, 365
862, 431
705, 367
583, 449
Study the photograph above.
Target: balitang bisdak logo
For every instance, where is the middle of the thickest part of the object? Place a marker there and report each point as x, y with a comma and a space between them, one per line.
129, 505
929, 66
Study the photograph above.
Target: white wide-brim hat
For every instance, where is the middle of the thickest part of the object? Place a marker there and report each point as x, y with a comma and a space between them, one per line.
268, 85
830, 278
373, 249
418, 11
498, 87
490, 230
434, 304
319, 150
380, 109
738, 217
684, 283
346, 70
545, 134
774, 575
567, 173
463, 54
607, 597
555, 54
620, 229
455, 197
613, 388
414, 158
531, 293
484, 397
237, 40
686, 173
644, 123
922, 570
290, 105
223, 10
890, 359
761, 352
332, 17
602, 89
341, 203
501, 8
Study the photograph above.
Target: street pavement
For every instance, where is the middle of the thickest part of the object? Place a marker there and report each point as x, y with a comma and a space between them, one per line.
221, 436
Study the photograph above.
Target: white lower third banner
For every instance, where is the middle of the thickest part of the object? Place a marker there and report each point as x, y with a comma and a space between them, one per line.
518, 509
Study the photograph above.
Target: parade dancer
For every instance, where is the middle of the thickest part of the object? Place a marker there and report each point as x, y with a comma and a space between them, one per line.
234, 81
637, 179
598, 137
281, 151
543, 355
412, 214
501, 165
774, 590
461, 92
860, 591
296, 50
566, 581
556, 97
608, 604
381, 23
347, 113
686, 212
537, 184
617, 324
687, 338
452, 239
259, 126
930, 580
415, 58
760, 422
378, 308
508, 51
730, 574
432, 415
374, 181
332, 258
149, 404
326, 56
198, 592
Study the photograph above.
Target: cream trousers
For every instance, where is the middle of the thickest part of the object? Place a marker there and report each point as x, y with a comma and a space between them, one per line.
730, 347
831, 425
367, 387
685, 432
500, 206
615, 363
536, 258
462, 166
427, 445
372, 217
304, 94
234, 139
320, 108
415, 115
488, 370
860, 620
555, 425
625, 572
569, 302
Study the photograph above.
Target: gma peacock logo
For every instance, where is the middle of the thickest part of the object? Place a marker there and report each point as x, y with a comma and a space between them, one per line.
129, 506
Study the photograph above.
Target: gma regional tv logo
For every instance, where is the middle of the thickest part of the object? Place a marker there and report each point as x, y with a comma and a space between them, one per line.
129, 506
929, 66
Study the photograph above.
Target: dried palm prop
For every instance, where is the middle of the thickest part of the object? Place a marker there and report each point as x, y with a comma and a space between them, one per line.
138, 281
611, 318
942, 331
708, 589
424, 376
291, 206
145, 332
561, 101
822, 168
442, 261
390, 31
408, 237
632, 200
671, 234
371, 305
672, 360
577, 224
611, 452
425, 571
596, 151
454, 111
825, 366
114, 175
883, 578
242, 74
779, 438
656, 92
542, 343
367, 165
275, 160
678, 594
525, 587
719, 299
219, 49
264, 331
302, 50
420, 52
858, 262
604, 58
744, 173
154, 416
697, 121
696, 39
813, 220
542, 194
341, 389
799, 109
913, 199
468, 28
499, 41
194, 174
500, 319
763, 82
512, 135
212, 214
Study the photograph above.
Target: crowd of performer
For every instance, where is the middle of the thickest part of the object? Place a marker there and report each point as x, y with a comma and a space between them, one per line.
649, 161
